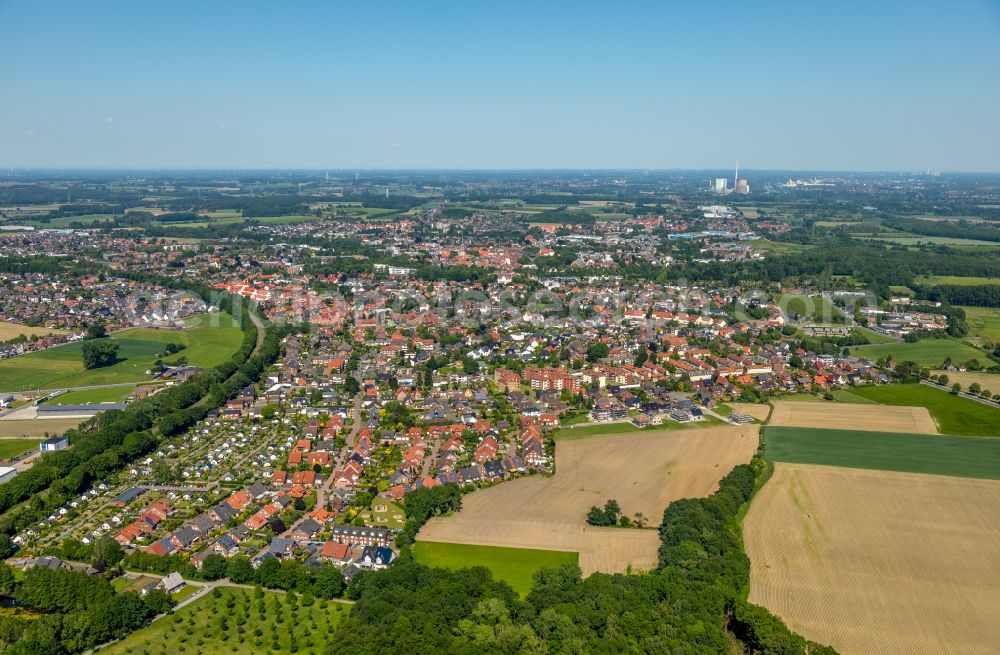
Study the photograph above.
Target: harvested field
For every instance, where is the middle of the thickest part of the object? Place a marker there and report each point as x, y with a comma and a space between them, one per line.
13, 330
643, 471
37, 427
988, 381
878, 562
853, 417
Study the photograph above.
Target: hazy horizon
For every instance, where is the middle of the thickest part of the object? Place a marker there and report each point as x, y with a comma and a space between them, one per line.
896, 87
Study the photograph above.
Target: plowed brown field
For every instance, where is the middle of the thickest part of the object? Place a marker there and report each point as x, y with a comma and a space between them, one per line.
643, 471
876, 562
850, 416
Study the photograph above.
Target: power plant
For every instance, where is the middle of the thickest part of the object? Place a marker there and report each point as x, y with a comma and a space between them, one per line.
720, 185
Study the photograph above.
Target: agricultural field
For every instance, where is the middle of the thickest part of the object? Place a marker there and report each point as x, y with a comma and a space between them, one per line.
515, 566
926, 352
644, 471
10, 331
210, 341
36, 428
953, 414
856, 417
236, 621
957, 280
845, 396
989, 381
13, 447
876, 562
984, 323
976, 457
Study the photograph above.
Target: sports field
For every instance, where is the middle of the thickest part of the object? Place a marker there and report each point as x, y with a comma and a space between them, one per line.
585, 430
85, 396
644, 471
877, 562
926, 352
515, 566
210, 341
953, 414
816, 307
859, 416
977, 457
236, 622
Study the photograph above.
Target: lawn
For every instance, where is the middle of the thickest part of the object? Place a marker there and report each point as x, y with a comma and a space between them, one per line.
515, 566
974, 457
210, 339
11, 447
237, 622
953, 414
393, 517
85, 396
926, 352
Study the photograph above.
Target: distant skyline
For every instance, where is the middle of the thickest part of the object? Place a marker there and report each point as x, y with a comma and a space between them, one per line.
852, 86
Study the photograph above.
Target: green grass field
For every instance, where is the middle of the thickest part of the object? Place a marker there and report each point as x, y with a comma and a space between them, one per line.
953, 414
926, 352
984, 322
807, 306
231, 623
84, 396
210, 341
11, 447
845, 396
602, 429
515, 566
956, 280
973, 457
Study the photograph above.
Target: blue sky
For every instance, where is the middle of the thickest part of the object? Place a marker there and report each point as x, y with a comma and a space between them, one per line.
779, 85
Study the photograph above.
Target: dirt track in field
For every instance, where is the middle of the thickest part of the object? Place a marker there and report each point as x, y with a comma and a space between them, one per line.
851, 416
877, 562
642, 471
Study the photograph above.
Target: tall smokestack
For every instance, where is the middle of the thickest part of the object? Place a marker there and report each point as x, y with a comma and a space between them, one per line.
736, 179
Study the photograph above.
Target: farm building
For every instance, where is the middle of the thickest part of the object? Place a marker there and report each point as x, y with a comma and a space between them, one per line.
53, 444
